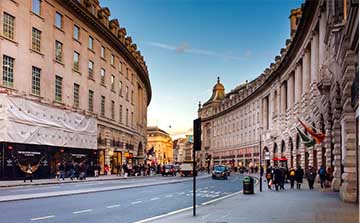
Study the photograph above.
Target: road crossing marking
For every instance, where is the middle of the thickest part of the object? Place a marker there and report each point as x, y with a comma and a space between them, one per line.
169, 195
82, 211
113, 206
181, 193
154, 199
42, 218
136, 202
164, 215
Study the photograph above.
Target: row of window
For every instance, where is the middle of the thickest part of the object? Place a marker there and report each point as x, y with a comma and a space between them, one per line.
8, 80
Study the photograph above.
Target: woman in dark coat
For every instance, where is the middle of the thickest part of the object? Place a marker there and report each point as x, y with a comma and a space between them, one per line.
299, 175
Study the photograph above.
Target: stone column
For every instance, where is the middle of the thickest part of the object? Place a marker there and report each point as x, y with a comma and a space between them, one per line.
322, 32
290, 91
314, 58
283, 99
306, 72
271, 109
336, 137
298, 86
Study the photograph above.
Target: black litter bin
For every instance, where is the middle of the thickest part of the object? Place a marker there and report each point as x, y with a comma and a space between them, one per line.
248, 185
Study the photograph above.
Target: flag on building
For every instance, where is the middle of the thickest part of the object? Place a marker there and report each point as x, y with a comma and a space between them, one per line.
317, 135
306, 140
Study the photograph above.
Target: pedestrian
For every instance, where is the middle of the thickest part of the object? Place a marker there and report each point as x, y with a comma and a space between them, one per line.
299, 175
310, 176
106, 169
322, 176
62, 171
28, 173
277, 178
72, 171
329, 176
118, 169
269, 177
96, 170
292, 177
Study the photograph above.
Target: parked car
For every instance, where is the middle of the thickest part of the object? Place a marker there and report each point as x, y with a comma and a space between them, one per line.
220, 172
168, 170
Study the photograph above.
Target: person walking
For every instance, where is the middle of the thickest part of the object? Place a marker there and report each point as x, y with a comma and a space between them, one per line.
299, 175
269, 177
106, 169
283, 177
28, 173
292, 177
322, 176
277, 179
310, 176
62, 171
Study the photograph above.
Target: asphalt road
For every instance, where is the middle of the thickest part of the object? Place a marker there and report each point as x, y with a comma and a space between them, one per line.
127, 205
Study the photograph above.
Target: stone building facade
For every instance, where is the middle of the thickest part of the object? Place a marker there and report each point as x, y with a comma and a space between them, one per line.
162, 145
315, 78
68, 56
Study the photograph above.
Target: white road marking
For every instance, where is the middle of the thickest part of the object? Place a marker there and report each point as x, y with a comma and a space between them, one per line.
41, 218
154, 199
164, 215
82, 211
136, 202
221, 198
113, 206
181, 193
169, 195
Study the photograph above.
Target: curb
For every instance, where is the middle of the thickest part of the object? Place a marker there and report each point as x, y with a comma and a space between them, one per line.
68, 193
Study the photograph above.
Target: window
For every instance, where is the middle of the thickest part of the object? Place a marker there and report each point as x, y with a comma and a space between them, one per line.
76, 32
102, 74
132, 78
112, 82
127, 93
112, 60
36, 6
91, 101
58, 20
8, 71
127, 73
120, 114
120, 67
58, 89
102, 106
35, 86
132, 97
120, 88
127, 117
132, 119
76, 60
90, 43
91, 68
8, 26
112, 110
36, 39
76, 95
58, 51
102, 52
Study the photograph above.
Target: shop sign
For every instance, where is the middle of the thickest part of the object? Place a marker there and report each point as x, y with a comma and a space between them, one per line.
9, 162
29, 153
267, 155
44, 163
78, 155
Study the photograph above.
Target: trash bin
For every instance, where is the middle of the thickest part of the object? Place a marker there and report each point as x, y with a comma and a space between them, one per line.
248, 185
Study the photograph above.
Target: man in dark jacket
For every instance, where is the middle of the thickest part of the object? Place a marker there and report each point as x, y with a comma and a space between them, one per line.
322, 175
310, 176
277, 178
299, 175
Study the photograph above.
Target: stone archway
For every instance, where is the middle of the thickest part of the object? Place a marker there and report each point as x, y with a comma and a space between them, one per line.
291, 147
140, 151
275, 154
283, 152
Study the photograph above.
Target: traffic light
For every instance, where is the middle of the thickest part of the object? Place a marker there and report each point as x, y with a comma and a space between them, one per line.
197, 134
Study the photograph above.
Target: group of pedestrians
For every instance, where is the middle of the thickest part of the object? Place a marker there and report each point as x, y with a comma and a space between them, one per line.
73, 170
133, 170
277, 176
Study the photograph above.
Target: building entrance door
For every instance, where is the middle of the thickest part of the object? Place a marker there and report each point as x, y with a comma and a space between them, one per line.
116, 162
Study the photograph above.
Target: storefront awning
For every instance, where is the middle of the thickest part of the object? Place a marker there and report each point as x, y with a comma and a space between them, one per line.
279, 159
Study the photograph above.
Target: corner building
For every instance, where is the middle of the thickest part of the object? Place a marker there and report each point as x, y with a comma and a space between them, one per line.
74, 88
162, 145
315, 78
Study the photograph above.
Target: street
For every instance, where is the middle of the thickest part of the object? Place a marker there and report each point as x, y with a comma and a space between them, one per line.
126, 205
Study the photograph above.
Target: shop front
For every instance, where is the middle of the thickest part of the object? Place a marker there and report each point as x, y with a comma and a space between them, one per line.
44, 160
116, 161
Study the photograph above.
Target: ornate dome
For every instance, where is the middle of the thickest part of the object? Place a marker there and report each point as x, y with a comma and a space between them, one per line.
218, 92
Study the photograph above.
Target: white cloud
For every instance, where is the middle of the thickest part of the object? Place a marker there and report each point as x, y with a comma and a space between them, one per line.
185, 48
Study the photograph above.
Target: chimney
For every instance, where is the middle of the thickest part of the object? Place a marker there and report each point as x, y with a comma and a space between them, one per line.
295, 16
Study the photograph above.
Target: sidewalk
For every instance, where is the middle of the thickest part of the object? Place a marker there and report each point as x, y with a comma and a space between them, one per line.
295, 206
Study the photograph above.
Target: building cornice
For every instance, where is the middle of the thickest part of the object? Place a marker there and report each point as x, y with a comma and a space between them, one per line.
127, 49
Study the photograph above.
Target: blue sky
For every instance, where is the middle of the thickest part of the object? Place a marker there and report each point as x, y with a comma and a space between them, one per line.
188, 43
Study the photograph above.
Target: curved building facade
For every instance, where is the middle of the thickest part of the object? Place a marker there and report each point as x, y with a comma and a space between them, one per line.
74, 88
315, 79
